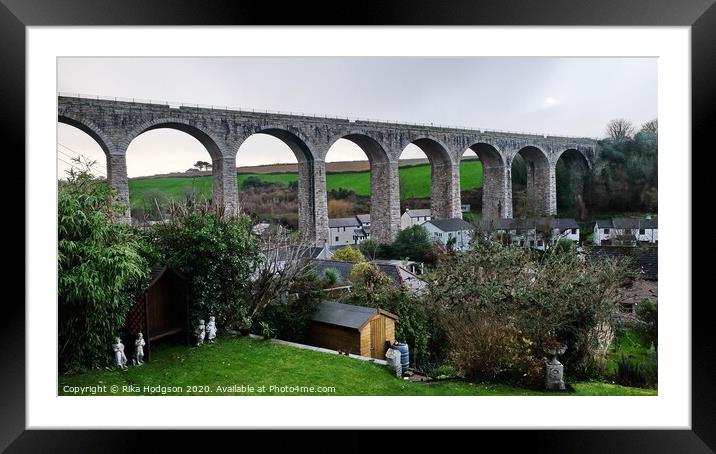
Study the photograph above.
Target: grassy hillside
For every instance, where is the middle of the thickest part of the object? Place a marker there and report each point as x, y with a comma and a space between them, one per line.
414, 182
249, 362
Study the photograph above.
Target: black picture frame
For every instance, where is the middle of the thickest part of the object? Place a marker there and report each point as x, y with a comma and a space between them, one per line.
16, 15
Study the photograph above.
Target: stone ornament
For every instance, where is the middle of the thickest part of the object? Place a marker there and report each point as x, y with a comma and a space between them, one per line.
120, 358
139, 348
554, 371
200, 333
211, 329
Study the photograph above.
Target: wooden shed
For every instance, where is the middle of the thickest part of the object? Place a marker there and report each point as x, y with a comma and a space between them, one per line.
359, 330
161, 312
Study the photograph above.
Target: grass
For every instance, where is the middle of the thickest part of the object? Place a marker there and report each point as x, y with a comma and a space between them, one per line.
256, 363
631, 344
414, 182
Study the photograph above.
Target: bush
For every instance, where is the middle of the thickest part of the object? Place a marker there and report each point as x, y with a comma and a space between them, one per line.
633, 373
348, 254
647, 311
535, 297
219, 254
291, 315
412, 242
100, 271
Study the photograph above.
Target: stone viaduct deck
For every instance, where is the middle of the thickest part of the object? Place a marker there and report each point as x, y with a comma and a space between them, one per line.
114, 124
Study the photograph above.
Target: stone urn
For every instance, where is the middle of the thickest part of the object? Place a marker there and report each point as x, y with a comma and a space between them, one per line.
554, 370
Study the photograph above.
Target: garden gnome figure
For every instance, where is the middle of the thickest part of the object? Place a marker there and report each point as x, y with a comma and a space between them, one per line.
211, 329
200, 333
119, 357
139, 348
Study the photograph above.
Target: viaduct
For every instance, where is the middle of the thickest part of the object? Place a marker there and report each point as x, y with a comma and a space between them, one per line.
114, 124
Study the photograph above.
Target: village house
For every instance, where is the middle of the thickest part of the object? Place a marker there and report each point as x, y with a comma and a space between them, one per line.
540, 234
348, 231
444, 230
398, 274
415, 217
626, 231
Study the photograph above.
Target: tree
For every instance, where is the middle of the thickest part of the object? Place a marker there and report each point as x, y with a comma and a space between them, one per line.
101, 268
651, 126
412, 242
202, 165
619, 129
219, 254
349, 254
370, 249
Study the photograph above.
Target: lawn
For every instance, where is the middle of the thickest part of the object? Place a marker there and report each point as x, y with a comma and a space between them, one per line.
414, 182
248, 362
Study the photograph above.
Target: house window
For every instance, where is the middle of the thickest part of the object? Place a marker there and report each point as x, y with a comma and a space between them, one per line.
642, 231
336, 238
574, 231
606, 230
539, 243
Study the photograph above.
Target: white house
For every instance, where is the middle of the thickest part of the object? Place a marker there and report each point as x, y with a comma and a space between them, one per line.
345, 231
442, 230
626, 231
414, 217
341, 231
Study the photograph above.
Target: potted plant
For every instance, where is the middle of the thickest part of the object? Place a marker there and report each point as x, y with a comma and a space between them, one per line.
245, 325
266, 330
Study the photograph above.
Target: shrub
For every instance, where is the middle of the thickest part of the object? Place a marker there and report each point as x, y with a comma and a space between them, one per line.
331, 277
633, 373
412, 242
219, 253
100, 271
348, 254
647, 311
552, 296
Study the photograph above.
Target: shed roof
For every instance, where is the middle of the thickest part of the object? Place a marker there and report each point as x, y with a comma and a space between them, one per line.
346, 315
363, 218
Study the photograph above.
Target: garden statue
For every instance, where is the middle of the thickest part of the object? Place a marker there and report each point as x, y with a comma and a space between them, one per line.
139, 351
200, 333
119, 357
211, 329
554, 373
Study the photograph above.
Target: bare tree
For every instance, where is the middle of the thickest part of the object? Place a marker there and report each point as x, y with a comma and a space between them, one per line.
620, 129
651, 126
284, 263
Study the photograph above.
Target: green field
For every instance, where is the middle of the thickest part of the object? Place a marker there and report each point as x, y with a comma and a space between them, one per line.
414, 182
250, 362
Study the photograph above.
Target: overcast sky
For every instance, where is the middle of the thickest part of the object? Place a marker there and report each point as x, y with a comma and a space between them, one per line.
570, 96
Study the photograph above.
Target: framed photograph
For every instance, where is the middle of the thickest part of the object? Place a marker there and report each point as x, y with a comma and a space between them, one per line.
415, 217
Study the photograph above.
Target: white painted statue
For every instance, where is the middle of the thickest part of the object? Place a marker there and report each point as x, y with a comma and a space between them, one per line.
200, 333
211, 329
119, 357
139, 348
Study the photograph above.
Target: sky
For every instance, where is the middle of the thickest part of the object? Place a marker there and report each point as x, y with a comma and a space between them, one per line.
561, 96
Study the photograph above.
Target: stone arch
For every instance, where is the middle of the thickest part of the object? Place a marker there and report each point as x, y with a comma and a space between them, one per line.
496, 187
540, 183
572, 169
206, 138
444, 177
92, 130
309, 176
384, 185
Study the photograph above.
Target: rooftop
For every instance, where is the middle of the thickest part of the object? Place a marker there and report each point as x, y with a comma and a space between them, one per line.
451, 224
